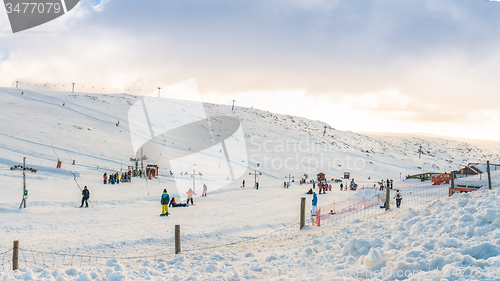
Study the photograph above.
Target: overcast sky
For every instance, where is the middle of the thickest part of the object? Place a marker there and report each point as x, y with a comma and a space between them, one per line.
408, 66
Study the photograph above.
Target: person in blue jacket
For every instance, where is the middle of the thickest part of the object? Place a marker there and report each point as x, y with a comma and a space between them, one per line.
314, 203
165, 200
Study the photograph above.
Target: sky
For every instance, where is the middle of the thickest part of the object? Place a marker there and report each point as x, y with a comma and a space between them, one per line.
374, 65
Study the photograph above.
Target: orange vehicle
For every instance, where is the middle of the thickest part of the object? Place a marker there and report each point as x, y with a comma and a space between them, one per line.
440, 179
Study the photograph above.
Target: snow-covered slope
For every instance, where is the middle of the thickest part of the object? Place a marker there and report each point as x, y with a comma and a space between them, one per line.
45, 126
453, 238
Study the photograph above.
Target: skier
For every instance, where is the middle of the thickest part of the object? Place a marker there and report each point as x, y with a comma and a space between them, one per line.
284, 184
86, 196
105, 177
165, 200
320, 187
287, 184
204, 194
314, 203
398, 198
257, 185
329, 187
341, 186
117, 178
314, 184
243, 183
174, 204
190, 196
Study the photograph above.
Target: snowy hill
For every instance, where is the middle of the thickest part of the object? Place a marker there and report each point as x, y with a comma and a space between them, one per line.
45, 126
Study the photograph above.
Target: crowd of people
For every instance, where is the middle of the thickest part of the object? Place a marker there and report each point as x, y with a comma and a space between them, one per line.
116, 178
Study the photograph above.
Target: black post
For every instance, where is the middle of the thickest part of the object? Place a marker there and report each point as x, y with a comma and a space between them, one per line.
489, 174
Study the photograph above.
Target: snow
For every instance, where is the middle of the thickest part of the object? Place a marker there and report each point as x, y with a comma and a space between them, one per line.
429, 238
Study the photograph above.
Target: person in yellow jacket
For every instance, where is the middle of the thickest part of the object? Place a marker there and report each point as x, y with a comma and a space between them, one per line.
165, 200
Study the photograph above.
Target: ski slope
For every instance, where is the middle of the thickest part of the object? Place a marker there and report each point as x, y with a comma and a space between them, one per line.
124, 219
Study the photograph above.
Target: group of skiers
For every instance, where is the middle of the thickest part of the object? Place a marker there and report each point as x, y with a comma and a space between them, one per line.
117, 178
167, 202
385, 184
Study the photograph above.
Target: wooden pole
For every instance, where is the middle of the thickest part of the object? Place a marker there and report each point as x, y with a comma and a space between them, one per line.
302, 212
15, 256
489, 175
452, 180
177, 239
387, 197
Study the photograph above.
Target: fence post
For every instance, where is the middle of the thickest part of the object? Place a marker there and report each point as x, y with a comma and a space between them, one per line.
452, 180
177, 239
15, 256
387, 197
489, 175
302, 212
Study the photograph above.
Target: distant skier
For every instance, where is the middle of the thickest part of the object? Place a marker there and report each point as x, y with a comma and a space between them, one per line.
105, 177
204, 194
256, 185
165, 200
314, 203
320, 187
341, 186
58, 164
190, 196
243, 183
284, 184
86, 196
398, 199
287, 184
22, 93
314, 184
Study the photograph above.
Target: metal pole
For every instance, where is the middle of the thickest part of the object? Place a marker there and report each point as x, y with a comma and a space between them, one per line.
159, 90
194, 189
73, 88
15, 256
17, 84
302, 212
489, 174
142, 162
177, 239
232, 109
23, 202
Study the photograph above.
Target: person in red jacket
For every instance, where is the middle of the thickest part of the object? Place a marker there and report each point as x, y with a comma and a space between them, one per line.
105, 177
